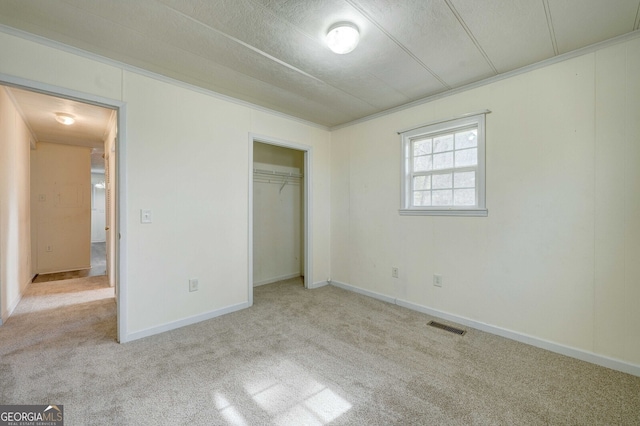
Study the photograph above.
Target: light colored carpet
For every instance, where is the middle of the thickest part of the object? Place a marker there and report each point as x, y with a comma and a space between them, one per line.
298, 357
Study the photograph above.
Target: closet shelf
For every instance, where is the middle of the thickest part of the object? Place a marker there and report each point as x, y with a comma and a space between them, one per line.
263, 172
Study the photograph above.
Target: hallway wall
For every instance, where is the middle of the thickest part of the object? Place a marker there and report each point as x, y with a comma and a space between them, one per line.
15, 233
98, 209
61, 207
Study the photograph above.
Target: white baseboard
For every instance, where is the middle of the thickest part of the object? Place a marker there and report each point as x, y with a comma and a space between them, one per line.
276, 279
602, 360
318, 284
183, 322
14, 303
59, 271
359, 290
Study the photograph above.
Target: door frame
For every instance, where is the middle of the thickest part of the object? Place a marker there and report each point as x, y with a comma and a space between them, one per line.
307, 216
120, 173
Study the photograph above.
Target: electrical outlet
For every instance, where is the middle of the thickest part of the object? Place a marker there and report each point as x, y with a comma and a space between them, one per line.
394, 272
193, 284
437, 280
145, 216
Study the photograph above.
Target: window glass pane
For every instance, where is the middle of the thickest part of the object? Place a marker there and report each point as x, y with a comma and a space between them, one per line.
464, 180
464, 197
443, 161
442, 181
421, 198
422, 147
443, 197
468, 139
421, 182
467, 157
422, 164
443, 143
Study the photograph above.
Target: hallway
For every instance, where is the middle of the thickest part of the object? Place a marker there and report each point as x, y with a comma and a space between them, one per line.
98, 267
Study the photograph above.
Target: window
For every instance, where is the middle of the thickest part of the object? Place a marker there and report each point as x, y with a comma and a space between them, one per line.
443, 168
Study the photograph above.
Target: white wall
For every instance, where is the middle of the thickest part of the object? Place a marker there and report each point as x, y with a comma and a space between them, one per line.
111, 216
98, 209
61, 207
15, 233
186, 159
558, 256
277, 215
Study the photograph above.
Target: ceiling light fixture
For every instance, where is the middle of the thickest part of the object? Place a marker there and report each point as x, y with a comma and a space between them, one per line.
343, 37
64, 118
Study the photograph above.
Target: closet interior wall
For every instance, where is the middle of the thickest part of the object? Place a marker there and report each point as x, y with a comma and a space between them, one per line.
278, 200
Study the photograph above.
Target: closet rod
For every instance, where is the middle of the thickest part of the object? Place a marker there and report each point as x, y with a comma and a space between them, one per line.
276, 173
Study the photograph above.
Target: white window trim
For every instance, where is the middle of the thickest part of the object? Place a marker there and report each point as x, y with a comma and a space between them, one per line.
443, 126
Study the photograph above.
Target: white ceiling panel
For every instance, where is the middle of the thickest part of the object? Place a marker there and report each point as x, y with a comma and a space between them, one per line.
513, 33
272, 52
579, 23
431, 31
377, 54
283, 41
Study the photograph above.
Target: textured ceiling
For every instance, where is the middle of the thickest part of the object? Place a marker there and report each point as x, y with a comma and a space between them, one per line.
272, 52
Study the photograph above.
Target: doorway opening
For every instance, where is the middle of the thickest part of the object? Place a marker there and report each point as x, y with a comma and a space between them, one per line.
279, 212
74, 191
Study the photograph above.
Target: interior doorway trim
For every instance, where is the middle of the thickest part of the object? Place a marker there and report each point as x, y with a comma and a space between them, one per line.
120, 190
307, 216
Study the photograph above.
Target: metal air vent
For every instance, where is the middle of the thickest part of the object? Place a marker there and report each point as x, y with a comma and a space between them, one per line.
447, 328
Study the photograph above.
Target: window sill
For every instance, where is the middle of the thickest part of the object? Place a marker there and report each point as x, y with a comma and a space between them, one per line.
444, 212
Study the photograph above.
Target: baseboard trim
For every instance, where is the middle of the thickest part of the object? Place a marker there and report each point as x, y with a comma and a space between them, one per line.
593, 358
359, 290
276, 279
318, 284
14, 304
183, 322
80, 268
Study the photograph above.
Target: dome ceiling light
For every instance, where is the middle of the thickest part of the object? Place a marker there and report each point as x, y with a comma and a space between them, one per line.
64, 118
343, 37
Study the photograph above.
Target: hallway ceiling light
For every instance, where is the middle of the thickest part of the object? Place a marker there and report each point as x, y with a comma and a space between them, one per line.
64, 118
343, 37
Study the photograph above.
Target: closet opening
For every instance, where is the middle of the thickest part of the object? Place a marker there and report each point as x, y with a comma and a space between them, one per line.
278, 213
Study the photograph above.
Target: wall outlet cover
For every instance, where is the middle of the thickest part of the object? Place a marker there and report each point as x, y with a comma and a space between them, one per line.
193, 284
145, 216
437, 280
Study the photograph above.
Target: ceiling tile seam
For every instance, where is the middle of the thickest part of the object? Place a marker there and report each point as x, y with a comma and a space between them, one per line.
525, 69
266, 55
242, 43
229, 37
397, 42
113, 23
636, 26
313, 39
123, 66
552, 32
471, 36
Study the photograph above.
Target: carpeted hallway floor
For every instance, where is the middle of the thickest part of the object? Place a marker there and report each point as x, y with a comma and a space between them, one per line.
298, 357
98, 267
